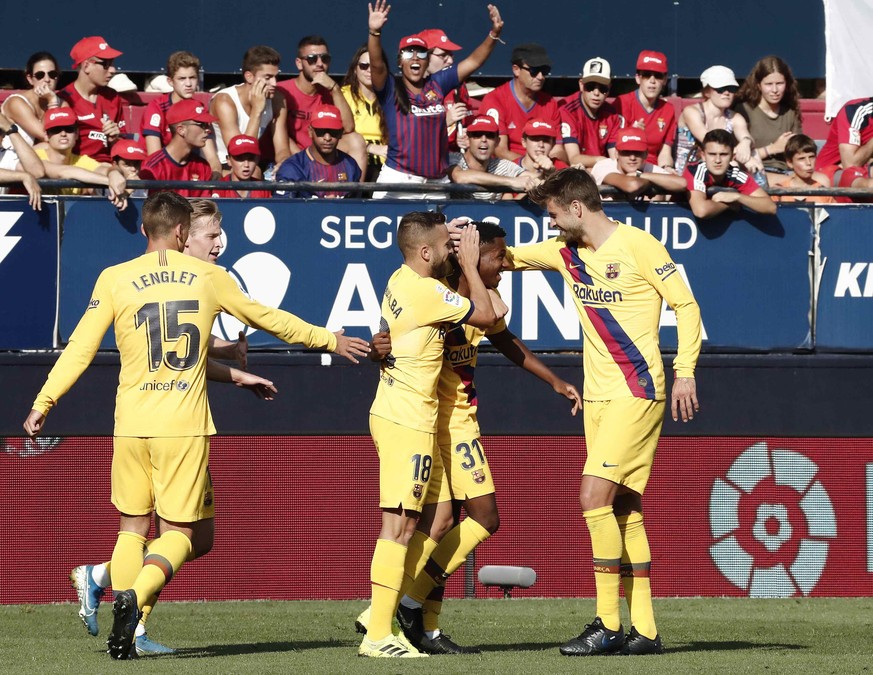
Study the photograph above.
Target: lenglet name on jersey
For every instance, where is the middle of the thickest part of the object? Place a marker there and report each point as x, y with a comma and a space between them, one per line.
592, 294
164, 277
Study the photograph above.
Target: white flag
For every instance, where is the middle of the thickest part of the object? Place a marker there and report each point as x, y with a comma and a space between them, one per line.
849, 62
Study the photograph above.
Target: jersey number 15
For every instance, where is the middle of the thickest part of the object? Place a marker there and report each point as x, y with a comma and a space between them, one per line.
161, 321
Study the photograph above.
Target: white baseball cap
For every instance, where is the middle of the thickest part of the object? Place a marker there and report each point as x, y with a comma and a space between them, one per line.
596, 70
717, 77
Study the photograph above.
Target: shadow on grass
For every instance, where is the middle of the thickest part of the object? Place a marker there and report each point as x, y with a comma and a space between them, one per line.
729, 646
520, 647
252, 648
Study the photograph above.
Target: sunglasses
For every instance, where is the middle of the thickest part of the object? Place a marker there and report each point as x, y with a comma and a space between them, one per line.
478, 134
445, 56
648, 74
203, 125
364, 66
409, 54
336, 133
729, 88
312, 59
40, 74
591, 86
105, 63
56, 130
537, 70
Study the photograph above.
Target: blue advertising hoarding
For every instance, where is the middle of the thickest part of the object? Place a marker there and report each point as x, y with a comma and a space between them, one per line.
328, 262
844, 319
28, 274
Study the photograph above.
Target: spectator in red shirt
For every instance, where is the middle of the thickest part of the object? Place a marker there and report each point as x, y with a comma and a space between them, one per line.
856, 177
716, 170
522, 99
191, 125
457, 101
243, 154
127, 159
183, 73
588, 123
314, 87
96, 105
253, 109
644, 108
631, 173
850, 139
538, 138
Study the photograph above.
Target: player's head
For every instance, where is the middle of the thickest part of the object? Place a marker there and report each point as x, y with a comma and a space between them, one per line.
570, 196
423, 238
204, 235
492, 252
718, 151
183, 71
261, 63
800, 151
166, 216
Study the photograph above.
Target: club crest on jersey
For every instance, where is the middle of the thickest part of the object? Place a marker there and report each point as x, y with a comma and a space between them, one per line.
417, 490
342, 176
612, 270
602, 131
661, 124
431, 95
478, 476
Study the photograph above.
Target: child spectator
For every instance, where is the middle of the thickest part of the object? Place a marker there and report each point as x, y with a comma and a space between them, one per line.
127, 159
321, 161
538, 138
800, 151
631, 173
588, 123
644, 108
243, 155
183, 74
96, 105
716, 170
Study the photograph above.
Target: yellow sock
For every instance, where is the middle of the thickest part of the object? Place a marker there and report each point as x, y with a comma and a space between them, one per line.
448, 556
606, 547
148, 606
386, 576
432, 607
166, 556
419, 550
636, 561
126, 560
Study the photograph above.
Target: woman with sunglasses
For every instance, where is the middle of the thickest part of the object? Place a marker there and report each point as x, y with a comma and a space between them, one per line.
414, 103
358, 91
714, 112
770, 103
27, 108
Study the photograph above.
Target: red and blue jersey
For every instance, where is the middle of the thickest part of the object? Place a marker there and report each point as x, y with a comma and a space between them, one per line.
418, 142
302, 167
698, 177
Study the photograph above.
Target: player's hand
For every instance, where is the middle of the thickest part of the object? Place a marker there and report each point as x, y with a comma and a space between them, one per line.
726, 197
378, 14
350, 347
455, 227
259, 386
496, 21
569, 391
34, 192
468, 249
241, 350
380, 345
501, 309
33, 423
684, 398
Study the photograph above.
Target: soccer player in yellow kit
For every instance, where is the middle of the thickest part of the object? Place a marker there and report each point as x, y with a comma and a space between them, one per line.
417, 309
619, 275
163, 305
468, 479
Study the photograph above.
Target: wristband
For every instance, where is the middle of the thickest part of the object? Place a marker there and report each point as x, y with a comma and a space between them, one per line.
375, 33
495, 37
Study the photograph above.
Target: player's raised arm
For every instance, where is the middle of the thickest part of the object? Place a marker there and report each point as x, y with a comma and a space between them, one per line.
484, 314
350, 347
259, 386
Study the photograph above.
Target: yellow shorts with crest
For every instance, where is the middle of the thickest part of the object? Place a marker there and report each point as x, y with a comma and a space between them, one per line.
409, 465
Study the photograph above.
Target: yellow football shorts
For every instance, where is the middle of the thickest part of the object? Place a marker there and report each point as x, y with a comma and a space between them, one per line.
466, 466
166, 475
621, 437
409, 465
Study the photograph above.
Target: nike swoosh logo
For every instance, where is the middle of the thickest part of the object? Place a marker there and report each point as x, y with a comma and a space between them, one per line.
609, 466
573, 267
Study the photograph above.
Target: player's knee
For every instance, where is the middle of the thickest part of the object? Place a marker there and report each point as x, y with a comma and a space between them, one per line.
489, 521
200, 548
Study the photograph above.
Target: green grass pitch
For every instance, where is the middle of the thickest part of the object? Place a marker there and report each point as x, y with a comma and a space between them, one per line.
517, 636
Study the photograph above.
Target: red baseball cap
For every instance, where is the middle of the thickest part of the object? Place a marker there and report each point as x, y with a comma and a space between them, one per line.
436, 37
631, 139
539, 127
412, 41
61, 117
189, 109
654, 61
483, 123
127, 149
326, 117
243, 145
89, 47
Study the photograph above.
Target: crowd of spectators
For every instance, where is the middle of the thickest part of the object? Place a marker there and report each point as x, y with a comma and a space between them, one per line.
410, 118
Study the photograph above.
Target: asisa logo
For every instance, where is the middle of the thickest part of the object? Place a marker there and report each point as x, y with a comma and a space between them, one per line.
771, 522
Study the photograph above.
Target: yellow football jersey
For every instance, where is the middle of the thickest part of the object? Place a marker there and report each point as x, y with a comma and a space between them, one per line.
458, 401
618, 290
163, 305
417, 311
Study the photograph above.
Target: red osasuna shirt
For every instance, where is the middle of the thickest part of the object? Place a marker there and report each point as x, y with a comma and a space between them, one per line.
160, 166
594, 135
504, 107
92, 140
660, 123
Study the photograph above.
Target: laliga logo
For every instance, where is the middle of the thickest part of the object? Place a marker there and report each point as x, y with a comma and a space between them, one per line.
771, 519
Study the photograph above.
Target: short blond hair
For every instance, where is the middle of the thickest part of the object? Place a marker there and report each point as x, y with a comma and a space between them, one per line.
203, 210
